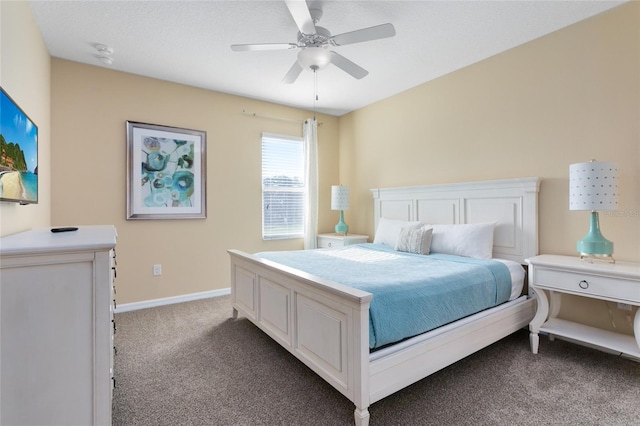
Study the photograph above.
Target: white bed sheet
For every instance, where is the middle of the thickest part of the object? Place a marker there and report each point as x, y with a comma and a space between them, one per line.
517, 277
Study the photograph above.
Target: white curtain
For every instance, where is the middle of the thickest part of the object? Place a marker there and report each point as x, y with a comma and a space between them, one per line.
310, 137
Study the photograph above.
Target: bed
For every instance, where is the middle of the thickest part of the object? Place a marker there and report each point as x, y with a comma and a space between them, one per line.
326, 323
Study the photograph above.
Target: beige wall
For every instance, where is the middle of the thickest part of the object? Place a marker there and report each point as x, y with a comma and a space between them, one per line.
25, 75
90, 106
532, 111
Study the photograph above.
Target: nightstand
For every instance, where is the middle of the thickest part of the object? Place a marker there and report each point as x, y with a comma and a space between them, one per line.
614, 282
339, 240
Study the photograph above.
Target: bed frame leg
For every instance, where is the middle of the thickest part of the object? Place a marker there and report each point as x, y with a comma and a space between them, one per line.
361, 417
234, 313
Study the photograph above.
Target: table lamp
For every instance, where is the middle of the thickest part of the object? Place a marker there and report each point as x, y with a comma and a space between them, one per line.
340, 201
593, 186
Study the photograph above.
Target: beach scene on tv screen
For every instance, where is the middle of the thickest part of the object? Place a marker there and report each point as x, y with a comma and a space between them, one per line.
18, 153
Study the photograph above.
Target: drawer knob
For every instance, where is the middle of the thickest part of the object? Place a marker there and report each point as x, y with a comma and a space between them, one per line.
583, 284
329, 244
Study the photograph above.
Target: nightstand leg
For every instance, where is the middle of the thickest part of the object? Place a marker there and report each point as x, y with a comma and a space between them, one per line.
534, 341
636, 327
542, 312
555, 301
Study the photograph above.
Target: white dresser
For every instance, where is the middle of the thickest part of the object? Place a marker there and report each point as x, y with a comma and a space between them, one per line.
613, 282
56, 318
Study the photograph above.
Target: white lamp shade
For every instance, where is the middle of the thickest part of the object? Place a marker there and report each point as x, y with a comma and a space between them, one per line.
314, 56
593, 186
339, 197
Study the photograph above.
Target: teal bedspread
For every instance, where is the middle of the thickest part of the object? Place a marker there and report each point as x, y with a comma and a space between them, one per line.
412, 293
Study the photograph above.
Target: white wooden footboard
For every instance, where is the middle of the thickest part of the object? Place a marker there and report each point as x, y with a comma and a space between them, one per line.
326, 326
397, 367
322, 323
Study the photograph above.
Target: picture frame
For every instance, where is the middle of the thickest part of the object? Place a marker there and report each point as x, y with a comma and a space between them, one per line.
166, 172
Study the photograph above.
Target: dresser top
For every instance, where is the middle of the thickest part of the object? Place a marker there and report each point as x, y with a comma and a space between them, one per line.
98, 237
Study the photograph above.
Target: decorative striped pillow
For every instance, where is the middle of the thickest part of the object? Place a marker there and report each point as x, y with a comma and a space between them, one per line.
415, 240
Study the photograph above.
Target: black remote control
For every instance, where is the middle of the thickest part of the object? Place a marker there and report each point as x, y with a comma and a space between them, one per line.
66, 229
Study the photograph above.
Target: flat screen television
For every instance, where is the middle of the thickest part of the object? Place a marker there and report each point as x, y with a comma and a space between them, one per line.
18, 153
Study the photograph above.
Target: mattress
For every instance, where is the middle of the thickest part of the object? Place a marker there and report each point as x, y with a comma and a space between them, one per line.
516, 271
412, 293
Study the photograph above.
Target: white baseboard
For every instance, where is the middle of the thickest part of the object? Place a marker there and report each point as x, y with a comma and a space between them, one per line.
126, 307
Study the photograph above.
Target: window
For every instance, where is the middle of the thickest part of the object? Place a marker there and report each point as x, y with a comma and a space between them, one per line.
283, 187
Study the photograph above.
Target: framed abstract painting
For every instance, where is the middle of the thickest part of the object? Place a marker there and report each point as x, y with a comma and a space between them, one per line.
166, 172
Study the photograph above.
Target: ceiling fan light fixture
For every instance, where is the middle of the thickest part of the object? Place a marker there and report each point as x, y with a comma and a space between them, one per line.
314, 58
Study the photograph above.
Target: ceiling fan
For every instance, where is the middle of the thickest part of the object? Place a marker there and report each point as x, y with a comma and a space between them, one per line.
314, 41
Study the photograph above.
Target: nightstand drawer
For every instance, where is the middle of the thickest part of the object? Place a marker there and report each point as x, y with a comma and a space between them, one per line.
337, 240
329, 242
588, 285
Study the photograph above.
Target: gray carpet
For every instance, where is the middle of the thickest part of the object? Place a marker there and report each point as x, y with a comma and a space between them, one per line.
189, 364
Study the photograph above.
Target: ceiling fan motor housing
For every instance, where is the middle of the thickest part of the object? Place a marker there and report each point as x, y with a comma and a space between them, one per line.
320, 38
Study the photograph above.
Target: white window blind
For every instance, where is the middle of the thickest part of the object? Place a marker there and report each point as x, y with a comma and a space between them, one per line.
283, 187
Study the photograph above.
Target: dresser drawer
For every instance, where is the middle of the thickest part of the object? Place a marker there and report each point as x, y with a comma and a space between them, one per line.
580, 283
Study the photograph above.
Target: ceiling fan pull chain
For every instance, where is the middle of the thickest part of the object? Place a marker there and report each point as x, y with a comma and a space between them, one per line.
315, 89
315, 82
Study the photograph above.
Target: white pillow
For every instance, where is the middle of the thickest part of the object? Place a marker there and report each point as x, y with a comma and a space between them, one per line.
415, 240
470, 240
388, 230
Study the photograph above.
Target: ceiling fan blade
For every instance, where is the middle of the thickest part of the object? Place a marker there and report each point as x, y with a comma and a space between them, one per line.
347, 66
293, 73
262, 46
300, 13
365, 34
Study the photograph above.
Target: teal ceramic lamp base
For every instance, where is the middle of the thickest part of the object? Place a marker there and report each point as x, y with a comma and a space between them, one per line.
594, 245
341, 227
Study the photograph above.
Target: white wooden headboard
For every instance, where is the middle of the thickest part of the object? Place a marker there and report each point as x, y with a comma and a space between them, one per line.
511, 203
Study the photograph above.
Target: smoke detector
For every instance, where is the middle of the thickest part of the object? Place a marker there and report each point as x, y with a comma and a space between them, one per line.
104, 53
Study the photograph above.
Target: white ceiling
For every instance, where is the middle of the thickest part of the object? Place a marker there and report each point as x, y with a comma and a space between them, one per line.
189, 42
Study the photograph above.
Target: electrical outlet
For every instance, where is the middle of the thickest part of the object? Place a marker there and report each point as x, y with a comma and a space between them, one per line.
157, 270
624, 306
